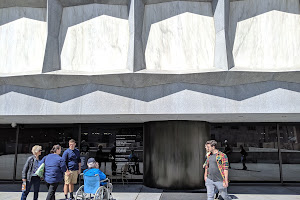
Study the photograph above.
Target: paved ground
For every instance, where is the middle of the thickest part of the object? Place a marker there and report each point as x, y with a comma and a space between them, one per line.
140, 192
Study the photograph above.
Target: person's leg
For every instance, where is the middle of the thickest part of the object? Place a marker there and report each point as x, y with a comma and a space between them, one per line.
36, 186
216, 191
71, 189
222, 191
73, 182
26, 192
51, 191
210, 189
66, 185
244, 163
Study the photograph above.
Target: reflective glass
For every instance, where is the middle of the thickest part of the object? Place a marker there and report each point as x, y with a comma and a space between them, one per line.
290, 151
45, 136
7, 152
254, 150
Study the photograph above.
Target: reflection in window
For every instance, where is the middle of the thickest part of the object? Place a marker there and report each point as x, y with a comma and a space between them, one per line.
45, 136
290, 151
111, 146
261, 162
7, 152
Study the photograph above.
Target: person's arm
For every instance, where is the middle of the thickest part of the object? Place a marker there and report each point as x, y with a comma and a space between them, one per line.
65, 160
226, 165
79, 170
25, 169
63, 166
102, 175
79, 163
205, 174
225, 182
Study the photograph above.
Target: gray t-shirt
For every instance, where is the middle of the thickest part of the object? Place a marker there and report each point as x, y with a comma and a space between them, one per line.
213, 170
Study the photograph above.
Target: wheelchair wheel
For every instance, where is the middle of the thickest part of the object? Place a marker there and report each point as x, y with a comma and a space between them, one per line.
99, 195
80, 195
109, 191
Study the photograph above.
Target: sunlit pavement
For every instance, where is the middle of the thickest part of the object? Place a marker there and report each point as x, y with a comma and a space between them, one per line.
140, 192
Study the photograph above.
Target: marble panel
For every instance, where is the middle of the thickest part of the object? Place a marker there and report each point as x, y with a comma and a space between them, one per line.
94, 38
23, 34
265, 35
179, 36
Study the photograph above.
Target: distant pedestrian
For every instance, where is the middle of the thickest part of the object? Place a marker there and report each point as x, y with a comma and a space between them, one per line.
243, 157
54, 169
28, 173
216, 172
99, 155
73, 163
228, 151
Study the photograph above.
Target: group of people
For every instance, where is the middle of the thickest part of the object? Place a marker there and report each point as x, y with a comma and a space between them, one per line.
56, 168
68, 167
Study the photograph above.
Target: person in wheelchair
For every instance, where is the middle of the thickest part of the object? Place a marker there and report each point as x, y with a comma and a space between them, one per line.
93, 170
96, 185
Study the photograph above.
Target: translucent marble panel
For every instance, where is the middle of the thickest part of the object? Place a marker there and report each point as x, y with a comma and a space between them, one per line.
265, 35
179, 36
94, 38
23, 34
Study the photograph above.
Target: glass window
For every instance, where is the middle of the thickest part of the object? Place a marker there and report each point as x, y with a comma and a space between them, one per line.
7, 152
111, 146
290, 152
252, 150
45, 136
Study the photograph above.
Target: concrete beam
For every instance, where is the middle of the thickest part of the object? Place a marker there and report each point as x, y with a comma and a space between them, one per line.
223, 54
23, 3
136, 55
52, 56
69, 3
139, 80
164, 1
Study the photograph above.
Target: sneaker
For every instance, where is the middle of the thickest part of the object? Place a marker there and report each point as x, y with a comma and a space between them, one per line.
217, 196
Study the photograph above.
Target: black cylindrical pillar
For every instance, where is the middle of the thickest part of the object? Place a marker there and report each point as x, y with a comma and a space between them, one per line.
174, 154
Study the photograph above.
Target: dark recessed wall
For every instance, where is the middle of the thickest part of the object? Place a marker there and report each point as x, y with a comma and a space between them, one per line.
174, 154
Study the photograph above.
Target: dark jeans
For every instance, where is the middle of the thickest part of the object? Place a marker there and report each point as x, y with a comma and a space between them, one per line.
35, 181
51, 190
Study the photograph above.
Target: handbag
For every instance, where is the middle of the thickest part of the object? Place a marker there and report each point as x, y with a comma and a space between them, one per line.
40, 171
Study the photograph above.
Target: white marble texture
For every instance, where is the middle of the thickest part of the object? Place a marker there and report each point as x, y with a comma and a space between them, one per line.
179, 36
94, 38
265, 35
23, 34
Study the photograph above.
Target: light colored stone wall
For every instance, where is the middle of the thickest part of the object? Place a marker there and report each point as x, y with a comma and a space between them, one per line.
23, 34
265, 35
179, 36
94, 38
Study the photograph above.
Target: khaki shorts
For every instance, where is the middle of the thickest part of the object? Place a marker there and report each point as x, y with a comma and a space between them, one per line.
72, 178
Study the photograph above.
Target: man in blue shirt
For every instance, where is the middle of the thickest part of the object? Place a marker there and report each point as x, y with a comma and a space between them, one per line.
73, 163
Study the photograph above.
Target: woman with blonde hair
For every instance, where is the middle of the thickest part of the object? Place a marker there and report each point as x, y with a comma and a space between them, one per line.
28, 173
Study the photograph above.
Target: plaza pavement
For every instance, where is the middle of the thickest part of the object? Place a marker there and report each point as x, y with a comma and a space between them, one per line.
140, 192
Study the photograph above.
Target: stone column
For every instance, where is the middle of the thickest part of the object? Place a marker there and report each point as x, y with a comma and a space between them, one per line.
52, 56
136, 56
174, 154
223, 52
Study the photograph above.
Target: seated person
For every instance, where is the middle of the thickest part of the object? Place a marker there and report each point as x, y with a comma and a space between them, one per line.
93, 169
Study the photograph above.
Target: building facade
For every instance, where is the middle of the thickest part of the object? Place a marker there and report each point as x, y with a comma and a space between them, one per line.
156, 76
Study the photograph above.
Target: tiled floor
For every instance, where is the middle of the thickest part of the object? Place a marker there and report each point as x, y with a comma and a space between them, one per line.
140, 192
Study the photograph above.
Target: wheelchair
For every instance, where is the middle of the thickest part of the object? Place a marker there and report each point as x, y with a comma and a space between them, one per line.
94, 189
